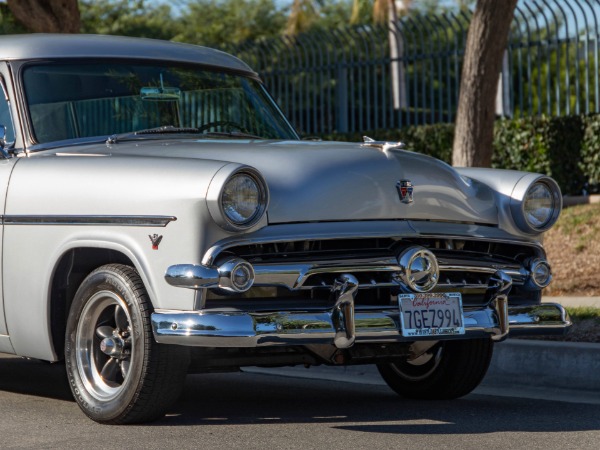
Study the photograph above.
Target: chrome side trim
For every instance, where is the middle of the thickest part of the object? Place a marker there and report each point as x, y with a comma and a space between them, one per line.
253, 329
132, 221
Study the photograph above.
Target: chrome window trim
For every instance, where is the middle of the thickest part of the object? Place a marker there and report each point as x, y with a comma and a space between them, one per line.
132, 221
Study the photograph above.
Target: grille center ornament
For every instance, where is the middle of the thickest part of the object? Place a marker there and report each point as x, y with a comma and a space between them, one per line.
420, 271
405, 190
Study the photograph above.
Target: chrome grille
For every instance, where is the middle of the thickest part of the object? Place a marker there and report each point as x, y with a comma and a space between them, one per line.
306, 270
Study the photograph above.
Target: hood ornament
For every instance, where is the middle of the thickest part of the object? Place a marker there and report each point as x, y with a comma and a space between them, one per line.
382, 145
405, 190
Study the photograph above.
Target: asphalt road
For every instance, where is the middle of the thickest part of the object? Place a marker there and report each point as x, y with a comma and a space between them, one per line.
246, 410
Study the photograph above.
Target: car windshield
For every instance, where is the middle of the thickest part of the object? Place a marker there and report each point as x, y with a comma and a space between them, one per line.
83, 100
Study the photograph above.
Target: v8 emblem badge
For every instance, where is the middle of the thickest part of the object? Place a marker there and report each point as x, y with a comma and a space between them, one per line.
155, 239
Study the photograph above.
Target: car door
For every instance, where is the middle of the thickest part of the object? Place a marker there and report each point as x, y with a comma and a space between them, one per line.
7, 163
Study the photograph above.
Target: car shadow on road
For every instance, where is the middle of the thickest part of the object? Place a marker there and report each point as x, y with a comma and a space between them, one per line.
249, 399
34, 377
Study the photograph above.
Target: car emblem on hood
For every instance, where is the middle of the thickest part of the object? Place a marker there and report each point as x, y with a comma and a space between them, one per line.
405, 189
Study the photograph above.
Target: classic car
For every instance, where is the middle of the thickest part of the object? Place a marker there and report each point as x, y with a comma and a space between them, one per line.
160, 216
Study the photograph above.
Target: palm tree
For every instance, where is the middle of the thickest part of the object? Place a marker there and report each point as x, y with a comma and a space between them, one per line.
304, 12
380, 10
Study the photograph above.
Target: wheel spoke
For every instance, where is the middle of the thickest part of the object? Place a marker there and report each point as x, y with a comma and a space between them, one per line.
121, 318
104, 331
125, 367
110, 370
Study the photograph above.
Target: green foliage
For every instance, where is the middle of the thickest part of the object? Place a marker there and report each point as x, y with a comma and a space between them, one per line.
579, 313
589, 162
204, 22
333, 14
549, 145
8, 24
433, 140
139, 18
565, 148
217, 23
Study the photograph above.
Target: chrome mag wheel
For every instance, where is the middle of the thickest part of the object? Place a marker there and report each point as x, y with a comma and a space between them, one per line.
104, 345
117, 372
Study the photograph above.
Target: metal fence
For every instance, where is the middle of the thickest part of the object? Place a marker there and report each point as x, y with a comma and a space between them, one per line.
372, 77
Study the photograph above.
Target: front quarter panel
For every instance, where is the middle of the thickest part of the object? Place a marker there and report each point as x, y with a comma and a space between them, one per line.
84, 188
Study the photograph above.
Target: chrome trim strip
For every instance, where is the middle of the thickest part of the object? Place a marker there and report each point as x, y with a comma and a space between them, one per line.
128, 221
294, 276
254, 329
392, 233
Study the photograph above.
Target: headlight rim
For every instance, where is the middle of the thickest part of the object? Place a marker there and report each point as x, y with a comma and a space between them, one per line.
518, 203
248, 223
214, 198
262, 199
524, 202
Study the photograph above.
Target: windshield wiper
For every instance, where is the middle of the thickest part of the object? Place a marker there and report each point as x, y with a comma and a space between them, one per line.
165, 129
235, 134
170, 129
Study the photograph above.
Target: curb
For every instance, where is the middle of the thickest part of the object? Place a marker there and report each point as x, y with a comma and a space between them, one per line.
580, 200
564, 371
554, 365
593, 302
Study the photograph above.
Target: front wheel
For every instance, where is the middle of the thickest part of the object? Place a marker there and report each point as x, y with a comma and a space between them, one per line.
117, 372
449, 370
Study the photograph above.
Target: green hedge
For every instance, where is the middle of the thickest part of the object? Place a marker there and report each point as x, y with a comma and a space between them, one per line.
566, 148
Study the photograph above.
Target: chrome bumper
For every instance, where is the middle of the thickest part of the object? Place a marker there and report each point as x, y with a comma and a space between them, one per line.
259, 329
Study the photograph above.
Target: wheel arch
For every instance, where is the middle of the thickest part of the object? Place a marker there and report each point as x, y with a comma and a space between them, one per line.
70, 270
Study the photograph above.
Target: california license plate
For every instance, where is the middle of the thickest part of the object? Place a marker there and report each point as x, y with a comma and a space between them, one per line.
431, 314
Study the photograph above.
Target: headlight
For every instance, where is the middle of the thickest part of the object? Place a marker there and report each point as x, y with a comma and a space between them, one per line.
241, 199
536, 203
237, 197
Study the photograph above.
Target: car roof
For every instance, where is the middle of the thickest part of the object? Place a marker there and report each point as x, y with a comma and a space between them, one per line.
52, 46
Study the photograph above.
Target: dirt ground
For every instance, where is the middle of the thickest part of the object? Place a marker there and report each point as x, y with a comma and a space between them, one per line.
573, 250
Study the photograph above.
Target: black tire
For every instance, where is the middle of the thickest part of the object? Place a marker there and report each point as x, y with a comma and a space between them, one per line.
449, 370
117, 372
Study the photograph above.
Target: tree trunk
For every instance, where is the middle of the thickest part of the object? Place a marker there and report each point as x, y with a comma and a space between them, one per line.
47, 16
486, 42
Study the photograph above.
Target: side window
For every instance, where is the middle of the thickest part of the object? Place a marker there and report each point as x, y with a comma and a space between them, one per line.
5, 117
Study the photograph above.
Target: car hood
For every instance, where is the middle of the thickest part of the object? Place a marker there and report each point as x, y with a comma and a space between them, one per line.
333, 181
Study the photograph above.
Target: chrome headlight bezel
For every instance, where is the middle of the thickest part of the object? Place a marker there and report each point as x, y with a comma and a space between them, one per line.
217, 189
522, 195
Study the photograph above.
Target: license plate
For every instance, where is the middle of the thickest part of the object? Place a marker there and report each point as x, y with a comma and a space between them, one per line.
431, 314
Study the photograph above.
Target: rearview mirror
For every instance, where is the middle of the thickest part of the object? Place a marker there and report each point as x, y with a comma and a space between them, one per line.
161, 93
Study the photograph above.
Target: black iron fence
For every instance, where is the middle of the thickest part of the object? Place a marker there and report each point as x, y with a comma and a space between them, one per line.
373, 77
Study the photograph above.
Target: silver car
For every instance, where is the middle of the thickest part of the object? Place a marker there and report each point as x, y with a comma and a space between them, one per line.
161, 216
